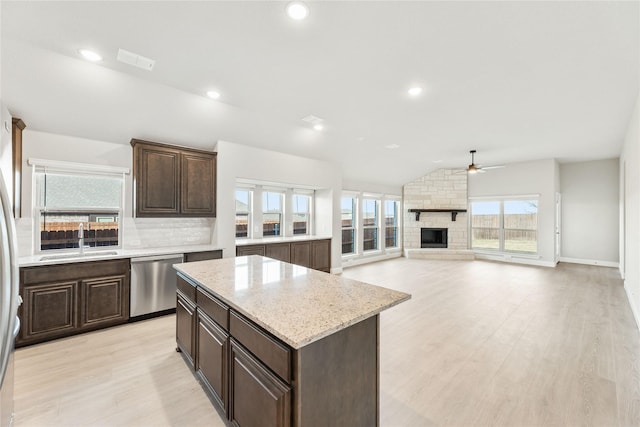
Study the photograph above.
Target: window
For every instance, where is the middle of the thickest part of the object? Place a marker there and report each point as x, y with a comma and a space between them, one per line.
271, 214
243, 210
348, 219
370, 224
301, 214
65, 199
485, 225
509, 225
521, 226
391, 223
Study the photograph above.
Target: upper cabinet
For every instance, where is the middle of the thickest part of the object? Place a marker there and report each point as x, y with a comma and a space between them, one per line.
173, 181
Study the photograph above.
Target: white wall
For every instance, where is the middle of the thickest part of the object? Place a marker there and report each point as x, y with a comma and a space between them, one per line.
630, 212
6, 149
590, 212
527, 178
237, 161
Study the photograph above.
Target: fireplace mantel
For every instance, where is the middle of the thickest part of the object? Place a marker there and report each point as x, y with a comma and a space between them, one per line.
454, 212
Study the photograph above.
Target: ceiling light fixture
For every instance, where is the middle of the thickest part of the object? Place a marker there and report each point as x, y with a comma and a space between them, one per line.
297, 10
90, 55
213, 94
392, 146
318, 127
415, 91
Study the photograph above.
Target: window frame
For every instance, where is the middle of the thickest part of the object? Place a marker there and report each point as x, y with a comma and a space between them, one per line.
55, 167
501, 224
354, 223
378, 202
396, 226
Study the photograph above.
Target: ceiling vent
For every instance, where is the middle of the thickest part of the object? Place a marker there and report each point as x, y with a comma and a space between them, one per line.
135, 60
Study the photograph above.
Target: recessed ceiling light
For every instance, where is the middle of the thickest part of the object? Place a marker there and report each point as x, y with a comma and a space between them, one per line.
318, 127
90, 55
392, 146
437, 161
415, 91
213, 94
297, 10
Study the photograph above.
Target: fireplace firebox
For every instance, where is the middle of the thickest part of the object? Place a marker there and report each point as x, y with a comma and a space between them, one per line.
433, 237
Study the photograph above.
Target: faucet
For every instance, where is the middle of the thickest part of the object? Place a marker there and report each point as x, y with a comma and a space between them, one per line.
81, 238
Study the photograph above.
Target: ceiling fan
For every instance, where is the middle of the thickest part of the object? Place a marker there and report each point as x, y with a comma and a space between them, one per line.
473, 168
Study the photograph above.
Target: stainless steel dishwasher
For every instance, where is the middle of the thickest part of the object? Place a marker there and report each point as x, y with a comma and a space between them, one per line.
153, 284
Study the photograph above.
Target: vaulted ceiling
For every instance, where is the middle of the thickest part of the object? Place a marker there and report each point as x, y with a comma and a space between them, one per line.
515, 80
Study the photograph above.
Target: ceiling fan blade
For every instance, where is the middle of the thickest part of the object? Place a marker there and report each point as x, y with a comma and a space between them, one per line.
492, 167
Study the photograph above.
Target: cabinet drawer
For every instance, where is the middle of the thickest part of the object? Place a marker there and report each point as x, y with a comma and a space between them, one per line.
273, 354
186, 288
213, 308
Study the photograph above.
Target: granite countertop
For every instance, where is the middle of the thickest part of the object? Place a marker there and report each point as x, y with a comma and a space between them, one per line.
106, 253
296, 304
267, 240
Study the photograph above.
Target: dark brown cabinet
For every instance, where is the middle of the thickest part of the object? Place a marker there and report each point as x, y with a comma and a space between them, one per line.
259, 398
213, 358
279, 251
314, 254
301, 254
202, 256
67, 299
173, 181
185, 320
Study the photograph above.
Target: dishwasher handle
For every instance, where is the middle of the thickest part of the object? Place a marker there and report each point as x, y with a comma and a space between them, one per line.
177, 257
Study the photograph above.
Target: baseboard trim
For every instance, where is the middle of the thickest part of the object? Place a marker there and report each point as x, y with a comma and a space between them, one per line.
337, 270
590, 262
636, 315
515, 259
352, 262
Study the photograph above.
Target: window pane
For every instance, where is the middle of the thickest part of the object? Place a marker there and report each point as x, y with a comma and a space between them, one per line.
369, 213
242, 225
271, 202
485, 238
348, 209
59, 230
300, 223
79, 191
271, 224
521, 241
485, 225
301, 203
242, 200
521, 224
243, 211
391, 223
348, 241
370, 224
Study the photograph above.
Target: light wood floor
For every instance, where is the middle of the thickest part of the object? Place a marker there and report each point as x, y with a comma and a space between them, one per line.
480, 343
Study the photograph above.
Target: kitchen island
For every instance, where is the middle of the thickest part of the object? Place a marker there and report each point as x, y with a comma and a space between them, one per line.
276, 344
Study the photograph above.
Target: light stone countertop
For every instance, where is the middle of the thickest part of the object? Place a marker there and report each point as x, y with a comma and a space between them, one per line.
296, 304
95, 255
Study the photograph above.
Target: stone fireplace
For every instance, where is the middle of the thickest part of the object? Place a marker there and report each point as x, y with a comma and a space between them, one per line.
442, 191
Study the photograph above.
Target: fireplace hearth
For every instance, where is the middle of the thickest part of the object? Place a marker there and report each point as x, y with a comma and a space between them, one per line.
433, 237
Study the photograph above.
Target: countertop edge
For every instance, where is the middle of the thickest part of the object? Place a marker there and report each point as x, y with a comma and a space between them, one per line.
272, 240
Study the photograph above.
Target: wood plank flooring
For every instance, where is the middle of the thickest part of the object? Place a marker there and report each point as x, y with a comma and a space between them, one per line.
480, 343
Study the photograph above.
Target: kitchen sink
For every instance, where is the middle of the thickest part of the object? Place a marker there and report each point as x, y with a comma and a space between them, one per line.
77, 255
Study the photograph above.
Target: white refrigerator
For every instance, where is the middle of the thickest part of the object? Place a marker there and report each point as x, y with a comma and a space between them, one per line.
9, 301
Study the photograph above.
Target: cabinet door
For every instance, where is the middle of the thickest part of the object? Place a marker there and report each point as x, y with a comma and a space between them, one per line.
157, 177
279, 251
258, 397
321, 255
185, 327
301, 254
250, 250
103, 301
212, 358
49, 310
198, 184
202, 256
